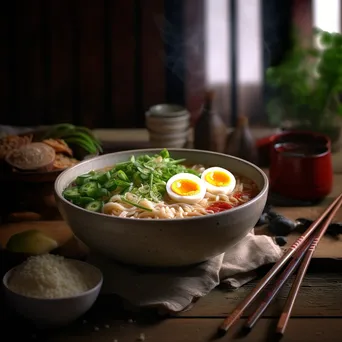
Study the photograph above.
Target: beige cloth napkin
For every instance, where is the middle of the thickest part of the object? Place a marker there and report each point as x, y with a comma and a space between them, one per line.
175, 290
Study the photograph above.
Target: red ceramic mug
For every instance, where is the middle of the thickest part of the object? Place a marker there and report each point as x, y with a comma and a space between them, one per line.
301, 166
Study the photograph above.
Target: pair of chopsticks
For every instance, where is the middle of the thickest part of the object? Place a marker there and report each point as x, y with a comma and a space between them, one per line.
301, 253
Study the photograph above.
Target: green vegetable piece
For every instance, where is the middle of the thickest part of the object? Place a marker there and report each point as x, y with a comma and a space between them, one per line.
90, 189
127, 189
71, 193
80, 180
84, 200
120, 166
124, 199
102, 178
144, 176
110, 185
161, 188
103, 192
121, 175
95, 206
122, 183
137, 179
165, 153
192, 172
177, 161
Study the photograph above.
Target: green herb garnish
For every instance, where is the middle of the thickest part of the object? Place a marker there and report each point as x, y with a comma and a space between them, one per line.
144, 176
124, 199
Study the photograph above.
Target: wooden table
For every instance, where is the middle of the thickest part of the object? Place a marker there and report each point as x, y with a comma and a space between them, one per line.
317, 315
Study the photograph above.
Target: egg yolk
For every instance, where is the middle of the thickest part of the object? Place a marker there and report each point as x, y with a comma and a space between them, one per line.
185, 187
217, 178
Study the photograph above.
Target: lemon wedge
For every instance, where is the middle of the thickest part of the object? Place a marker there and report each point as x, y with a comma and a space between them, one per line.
32, 242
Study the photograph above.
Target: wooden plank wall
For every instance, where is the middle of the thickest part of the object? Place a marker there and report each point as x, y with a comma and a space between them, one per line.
99, 63
103, 63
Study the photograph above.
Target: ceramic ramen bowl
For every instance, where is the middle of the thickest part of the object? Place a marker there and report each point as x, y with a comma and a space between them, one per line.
163, 242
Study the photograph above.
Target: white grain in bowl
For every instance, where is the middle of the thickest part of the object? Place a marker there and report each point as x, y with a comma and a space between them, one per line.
35, 289
52, 276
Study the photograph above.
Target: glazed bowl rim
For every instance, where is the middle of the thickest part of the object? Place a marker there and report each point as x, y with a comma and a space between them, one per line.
58, 192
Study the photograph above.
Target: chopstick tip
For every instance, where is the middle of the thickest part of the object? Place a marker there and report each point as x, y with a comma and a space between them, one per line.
221, 331
279, 332
247, 328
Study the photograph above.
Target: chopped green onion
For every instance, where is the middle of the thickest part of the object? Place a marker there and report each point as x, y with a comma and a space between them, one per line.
177, 161
84, 200
122, 183
103, 192
90, 189
121, 175
164, 153
102, 177
94, 206
111, 185
134, 204
71, 193
145, 176
80, 180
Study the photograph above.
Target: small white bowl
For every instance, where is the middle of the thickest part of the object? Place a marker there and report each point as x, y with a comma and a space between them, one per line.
168, 140
169, 119
46, 312
165, 127
167, 110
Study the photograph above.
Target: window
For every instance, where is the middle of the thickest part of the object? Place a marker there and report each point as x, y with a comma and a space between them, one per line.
327, 15
263, 35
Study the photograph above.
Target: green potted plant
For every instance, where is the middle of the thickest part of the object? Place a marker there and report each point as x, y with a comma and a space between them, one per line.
308, 86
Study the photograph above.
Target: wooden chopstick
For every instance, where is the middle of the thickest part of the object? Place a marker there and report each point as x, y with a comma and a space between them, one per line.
241, 307
291, 267
270, 295
286, 314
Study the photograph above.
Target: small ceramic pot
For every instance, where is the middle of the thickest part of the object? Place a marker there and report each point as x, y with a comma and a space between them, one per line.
301, 165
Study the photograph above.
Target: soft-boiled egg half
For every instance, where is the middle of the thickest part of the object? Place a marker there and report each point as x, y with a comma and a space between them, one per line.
186, 188
218, 180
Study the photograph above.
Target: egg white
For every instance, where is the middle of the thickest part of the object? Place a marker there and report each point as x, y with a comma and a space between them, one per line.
217, 190
191, 199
